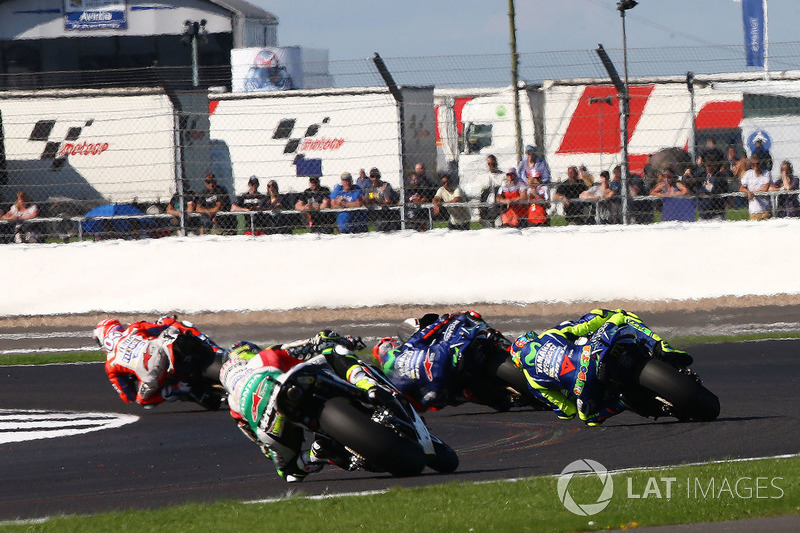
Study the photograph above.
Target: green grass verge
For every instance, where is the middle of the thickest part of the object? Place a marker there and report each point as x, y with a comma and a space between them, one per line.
366, 355
718, 492
47, 358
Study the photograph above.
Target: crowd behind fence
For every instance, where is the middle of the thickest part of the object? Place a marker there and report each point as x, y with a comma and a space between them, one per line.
644, 210
54, 168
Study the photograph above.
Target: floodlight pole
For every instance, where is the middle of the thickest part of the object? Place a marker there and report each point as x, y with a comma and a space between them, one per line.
515, 76
624, 99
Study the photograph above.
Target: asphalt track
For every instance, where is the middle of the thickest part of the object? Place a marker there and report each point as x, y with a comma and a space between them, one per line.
176, 453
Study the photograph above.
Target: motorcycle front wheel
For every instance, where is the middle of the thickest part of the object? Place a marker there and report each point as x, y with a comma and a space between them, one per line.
380, 446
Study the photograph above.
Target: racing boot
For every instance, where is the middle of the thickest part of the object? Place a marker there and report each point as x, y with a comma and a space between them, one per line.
677, 358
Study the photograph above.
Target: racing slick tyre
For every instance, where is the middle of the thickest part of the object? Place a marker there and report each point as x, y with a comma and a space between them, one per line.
688, 398
379, 445
445, 460
508, 373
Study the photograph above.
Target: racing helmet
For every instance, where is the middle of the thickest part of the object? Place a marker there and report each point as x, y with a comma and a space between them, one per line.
384, 345
265, 59
266, 65
105, 327
244, 350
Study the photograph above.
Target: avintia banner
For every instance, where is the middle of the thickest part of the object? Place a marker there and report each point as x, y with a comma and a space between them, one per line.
95, 15
753, 17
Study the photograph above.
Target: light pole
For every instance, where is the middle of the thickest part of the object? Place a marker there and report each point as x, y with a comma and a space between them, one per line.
623, 6
192, 31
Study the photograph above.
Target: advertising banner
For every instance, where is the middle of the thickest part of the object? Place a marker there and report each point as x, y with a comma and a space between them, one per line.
265, 69
753, 16
95, 15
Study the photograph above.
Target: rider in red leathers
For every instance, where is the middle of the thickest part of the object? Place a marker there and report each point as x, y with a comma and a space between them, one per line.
139, 358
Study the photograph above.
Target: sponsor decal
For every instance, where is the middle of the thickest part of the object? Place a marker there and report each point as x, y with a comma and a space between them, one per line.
308, 141
258, 395
428, 364
547, 359
59, 150
566, 366
580, 382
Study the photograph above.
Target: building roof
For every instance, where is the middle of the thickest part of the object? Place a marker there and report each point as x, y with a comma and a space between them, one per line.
245, 9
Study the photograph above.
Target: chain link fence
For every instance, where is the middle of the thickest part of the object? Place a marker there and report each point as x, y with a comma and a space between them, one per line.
80, 145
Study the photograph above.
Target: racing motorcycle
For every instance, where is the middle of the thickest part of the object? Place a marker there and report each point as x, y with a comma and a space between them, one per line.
483, 369
197, 361
373, 432
650, 382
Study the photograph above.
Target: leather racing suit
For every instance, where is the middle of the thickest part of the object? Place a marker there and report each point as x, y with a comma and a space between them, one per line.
437, 366
561, 370
250, 378
139, 359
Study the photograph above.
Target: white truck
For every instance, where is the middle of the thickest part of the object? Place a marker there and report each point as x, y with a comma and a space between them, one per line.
290, 135
574, 122
109, 145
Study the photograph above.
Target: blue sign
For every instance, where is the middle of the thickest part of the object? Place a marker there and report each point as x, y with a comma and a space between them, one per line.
766, 140
753, 17
95, 15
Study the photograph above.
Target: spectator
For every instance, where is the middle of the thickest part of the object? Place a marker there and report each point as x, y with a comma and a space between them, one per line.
512, 197
379, 196
539, 202
668, 188
20, 213
757, 180
419, 170
345, 196
641, 208
459, 216
212, 201
569, 190
533, 165
788, 205
598, 193
763, 155
311, 202
279, 222
363, 180
712, 185
253, 202
489, 183
586, 176
174, 210
737, 165
419, 191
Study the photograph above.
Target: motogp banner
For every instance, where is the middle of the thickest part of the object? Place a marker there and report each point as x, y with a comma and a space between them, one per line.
95, 15
753, 16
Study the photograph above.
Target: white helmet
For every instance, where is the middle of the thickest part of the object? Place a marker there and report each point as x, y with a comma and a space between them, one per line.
105, 332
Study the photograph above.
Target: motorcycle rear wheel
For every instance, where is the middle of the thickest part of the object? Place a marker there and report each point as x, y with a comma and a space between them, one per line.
379, 445
689, 399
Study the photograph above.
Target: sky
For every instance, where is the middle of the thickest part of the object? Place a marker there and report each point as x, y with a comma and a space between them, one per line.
355, 29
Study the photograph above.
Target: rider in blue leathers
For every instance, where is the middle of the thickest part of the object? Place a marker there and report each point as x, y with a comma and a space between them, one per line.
431, 367
561, 366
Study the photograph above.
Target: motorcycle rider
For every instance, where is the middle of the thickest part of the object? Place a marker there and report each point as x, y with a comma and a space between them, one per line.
250, 374
141, 357
562, 372
441, 362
